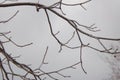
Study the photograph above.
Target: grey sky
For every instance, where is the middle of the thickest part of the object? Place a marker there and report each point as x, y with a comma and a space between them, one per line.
29, 26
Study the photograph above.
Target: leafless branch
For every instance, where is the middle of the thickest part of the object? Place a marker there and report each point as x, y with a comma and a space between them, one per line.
9, 40
10, 18
38, 72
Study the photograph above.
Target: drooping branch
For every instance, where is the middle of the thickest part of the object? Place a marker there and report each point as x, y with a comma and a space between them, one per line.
72, 23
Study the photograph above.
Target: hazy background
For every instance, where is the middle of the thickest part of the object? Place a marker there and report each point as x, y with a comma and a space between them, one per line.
31, 26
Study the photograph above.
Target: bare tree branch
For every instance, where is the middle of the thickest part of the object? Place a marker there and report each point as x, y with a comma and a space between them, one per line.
38, 73
9, 18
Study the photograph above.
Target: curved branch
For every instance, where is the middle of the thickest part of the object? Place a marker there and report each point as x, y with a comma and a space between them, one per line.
85, 33
22, 4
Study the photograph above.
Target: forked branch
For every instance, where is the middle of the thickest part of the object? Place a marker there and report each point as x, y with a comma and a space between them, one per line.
38, 72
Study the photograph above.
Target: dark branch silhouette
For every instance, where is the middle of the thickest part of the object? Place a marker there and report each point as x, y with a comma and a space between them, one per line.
38, 72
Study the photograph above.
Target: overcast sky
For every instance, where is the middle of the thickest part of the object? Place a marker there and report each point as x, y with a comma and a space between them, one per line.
30, 26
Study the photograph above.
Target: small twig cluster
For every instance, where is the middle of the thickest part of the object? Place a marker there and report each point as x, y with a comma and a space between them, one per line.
38, 72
